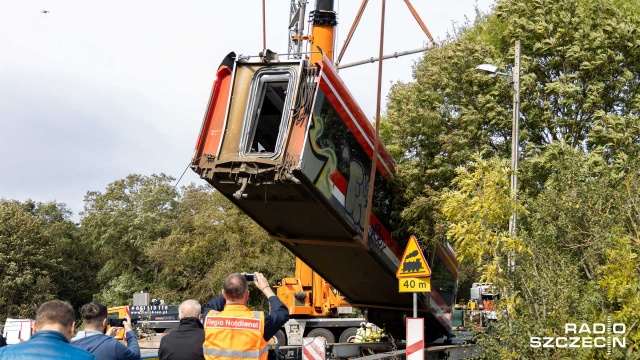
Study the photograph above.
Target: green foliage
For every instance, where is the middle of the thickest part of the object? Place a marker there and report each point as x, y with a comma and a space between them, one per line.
139, 234
478, 210
579, 225
121, 223
581, 66
581, 240
451, 112
577, 244
619, 277
438, 122
576, 253
213, 239
39, 252
119, 290
177, 244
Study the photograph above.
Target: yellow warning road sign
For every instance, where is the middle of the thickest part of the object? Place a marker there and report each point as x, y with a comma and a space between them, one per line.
414, 284
413, 263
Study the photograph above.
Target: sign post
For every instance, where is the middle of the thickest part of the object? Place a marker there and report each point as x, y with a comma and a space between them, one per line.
415, 339
413, 273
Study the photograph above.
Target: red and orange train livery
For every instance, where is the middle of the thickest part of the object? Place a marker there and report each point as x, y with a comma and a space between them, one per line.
289, 145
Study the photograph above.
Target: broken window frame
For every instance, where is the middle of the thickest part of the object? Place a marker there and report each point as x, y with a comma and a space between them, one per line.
257, 93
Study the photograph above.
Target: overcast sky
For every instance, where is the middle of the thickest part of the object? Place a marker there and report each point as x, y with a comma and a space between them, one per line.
93, 91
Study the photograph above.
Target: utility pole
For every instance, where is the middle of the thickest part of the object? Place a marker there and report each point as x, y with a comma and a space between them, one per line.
515, 145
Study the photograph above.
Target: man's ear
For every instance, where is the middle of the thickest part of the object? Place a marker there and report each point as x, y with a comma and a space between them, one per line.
104, 323
71, 330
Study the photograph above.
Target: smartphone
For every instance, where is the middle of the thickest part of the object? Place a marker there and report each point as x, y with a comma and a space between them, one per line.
249, 277
119, 322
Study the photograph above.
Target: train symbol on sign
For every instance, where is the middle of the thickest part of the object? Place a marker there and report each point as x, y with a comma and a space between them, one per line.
412, 266
413, 263
412, 254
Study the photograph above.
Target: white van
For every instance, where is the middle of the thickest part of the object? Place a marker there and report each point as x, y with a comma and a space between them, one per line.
17, 330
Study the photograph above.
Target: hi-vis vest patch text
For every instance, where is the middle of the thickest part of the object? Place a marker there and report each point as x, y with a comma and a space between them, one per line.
222, 322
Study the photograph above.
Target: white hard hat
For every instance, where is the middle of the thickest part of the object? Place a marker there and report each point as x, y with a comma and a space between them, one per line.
363, 323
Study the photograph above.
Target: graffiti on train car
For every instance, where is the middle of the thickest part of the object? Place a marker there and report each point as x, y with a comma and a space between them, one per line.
340, 169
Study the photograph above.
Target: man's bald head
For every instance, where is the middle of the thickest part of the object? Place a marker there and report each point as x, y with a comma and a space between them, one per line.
189, 308
235, 288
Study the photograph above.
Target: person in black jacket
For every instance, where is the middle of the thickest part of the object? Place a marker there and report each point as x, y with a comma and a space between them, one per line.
185, 342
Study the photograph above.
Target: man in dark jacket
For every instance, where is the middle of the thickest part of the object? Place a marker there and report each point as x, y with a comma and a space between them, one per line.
185, 342
94, 340
55, 321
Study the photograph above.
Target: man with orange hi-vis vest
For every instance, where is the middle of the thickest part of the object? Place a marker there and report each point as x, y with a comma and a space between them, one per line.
232, 331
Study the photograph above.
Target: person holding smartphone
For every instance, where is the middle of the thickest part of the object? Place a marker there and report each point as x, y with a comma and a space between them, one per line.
234, 331
96, 340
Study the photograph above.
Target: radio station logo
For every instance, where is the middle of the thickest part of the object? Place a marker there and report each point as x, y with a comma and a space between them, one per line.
596, 335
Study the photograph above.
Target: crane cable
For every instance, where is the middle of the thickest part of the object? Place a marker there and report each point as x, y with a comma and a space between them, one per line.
374, 159
264, 27
356, 21
419, 20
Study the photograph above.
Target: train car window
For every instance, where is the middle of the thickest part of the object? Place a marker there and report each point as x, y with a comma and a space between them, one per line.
337, 136
443, 280
268, 110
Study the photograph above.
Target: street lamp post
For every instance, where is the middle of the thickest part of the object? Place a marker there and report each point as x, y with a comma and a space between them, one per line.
514, 76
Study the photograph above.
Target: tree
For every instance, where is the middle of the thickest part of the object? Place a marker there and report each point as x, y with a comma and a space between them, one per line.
176, 244
41, 255
213, 239
580, 78
477, 210
121, 223
579, 142
576, 251
74, 278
